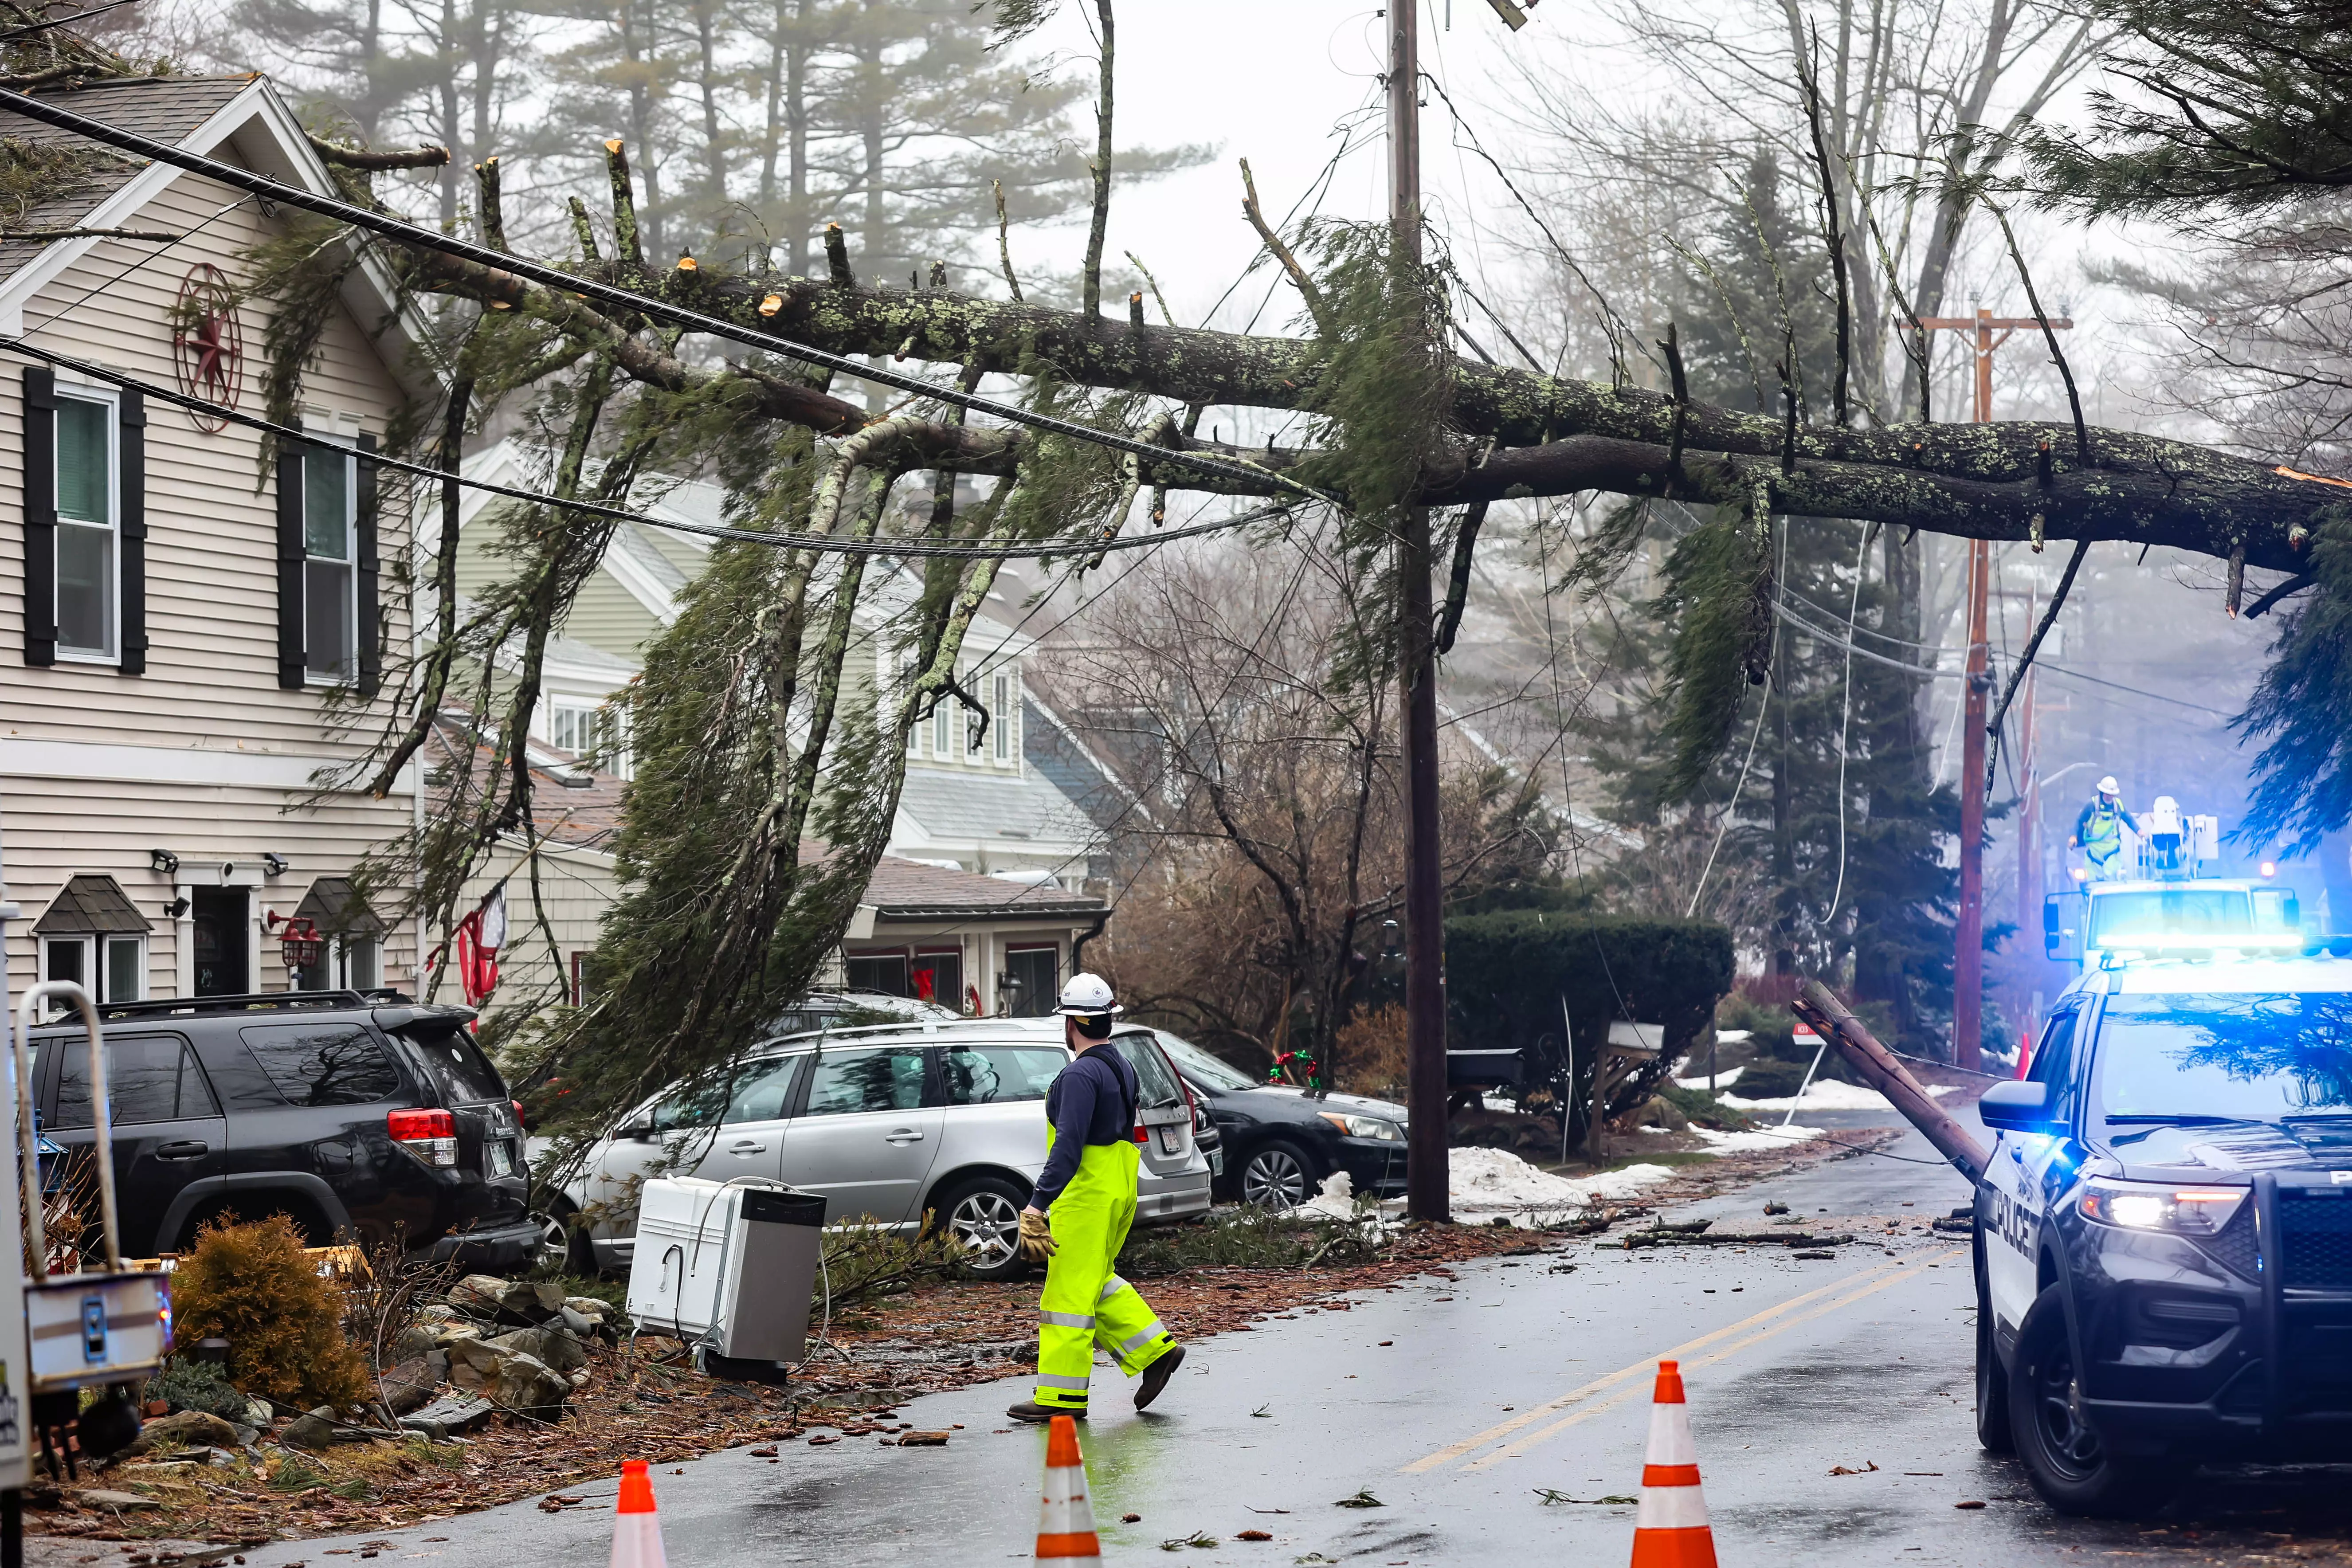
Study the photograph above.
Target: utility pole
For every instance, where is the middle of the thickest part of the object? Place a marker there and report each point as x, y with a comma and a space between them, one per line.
1968, 936
1424, 897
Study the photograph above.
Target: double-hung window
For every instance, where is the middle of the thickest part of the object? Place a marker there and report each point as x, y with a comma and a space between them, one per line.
112, 968
88, 577
331, 565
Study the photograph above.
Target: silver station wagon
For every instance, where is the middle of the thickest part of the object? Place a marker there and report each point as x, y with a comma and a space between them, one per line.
893, 1124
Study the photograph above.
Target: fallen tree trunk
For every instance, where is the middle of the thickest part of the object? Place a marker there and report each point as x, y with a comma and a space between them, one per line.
1831, 1019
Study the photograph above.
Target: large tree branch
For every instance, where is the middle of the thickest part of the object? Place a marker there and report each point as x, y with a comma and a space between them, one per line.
1552, 436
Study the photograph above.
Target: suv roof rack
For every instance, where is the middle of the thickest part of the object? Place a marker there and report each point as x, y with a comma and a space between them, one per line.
250, 1002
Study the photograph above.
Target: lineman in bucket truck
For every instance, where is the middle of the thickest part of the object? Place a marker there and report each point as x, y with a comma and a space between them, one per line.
2098, 831
1078, 1216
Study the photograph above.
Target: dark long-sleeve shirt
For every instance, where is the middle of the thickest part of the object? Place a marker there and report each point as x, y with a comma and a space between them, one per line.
1092, 1102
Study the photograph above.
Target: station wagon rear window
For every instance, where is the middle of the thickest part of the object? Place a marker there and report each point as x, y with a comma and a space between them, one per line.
993, 1075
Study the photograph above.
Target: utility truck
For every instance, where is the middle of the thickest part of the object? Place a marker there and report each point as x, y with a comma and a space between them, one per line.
2166, 908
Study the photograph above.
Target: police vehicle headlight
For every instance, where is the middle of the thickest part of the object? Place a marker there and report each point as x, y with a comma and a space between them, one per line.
2145, 1206
1365, 1127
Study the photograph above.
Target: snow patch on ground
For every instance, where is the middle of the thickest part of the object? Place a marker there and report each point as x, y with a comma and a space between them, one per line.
1723, 1080
1741, 1142
1827, 1095
1488, 1181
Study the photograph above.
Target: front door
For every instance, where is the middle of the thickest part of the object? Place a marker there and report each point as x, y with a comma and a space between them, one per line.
864, 1138
221, 925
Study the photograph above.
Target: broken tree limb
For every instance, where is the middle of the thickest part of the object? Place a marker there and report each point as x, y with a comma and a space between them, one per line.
389, 158
1830, 1018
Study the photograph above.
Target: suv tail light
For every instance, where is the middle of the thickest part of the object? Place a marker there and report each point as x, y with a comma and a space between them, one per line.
430, 1135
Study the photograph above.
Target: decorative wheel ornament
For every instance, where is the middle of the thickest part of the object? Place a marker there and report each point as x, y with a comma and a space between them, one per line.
208, 343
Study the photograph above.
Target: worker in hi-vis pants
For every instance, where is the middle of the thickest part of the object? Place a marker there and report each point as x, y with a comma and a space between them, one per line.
1078, 1216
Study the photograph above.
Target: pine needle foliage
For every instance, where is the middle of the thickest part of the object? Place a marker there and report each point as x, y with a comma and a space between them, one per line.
253, 1285
2303, 777
1716, 576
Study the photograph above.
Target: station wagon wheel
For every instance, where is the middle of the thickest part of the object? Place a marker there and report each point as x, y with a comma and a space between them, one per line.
984, 1214
1276, 1177
563, 1244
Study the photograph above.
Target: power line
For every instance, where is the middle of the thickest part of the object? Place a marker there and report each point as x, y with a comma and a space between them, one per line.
623, 298
821, 544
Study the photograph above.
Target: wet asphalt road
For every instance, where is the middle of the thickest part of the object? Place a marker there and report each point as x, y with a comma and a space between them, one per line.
1509, 1381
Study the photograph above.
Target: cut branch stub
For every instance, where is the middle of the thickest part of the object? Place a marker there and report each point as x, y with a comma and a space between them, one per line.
493, 214
390, 158
627, 244
836, 257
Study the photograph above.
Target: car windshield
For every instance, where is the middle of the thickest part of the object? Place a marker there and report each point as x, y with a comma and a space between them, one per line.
1201, 1067
2253, 1056
2169, 914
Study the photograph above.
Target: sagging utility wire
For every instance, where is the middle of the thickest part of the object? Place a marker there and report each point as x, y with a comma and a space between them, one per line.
46, 23
538, 272
821, 544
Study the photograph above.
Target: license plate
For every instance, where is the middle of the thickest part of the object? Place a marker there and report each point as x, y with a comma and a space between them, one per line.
501, 1160
1168, 1141
1216, 1161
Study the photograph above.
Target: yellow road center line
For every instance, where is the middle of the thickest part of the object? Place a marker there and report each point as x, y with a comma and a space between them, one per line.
1879, 1282
1647, 1364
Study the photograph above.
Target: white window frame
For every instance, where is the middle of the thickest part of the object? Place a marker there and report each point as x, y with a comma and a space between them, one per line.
1001, 696
94, 949
109, 399
342, 953
351, 561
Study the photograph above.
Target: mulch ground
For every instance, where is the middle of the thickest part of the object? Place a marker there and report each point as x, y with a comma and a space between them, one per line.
639, 1406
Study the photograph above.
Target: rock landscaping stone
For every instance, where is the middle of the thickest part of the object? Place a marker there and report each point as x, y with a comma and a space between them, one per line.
413, 1341
189, 1428
558, 1348
515, 1301
409, 1385
315, 1430
451, 1412
98, 1497
529, 1386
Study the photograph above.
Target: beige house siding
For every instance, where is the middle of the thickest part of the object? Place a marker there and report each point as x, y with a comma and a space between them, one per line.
203, 755
57, 829
575, 886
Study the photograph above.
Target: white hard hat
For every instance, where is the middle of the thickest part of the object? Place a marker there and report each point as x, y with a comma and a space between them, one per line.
2108, 786
1087, 994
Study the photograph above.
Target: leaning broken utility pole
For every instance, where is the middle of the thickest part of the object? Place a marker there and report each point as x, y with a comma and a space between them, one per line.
1424, 899
1831, 1019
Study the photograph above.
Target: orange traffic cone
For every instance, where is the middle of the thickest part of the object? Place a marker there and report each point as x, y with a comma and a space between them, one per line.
1066, 1528
636, 1527
1671, 1530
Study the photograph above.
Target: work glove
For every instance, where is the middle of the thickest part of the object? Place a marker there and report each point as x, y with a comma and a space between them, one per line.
1036, 1237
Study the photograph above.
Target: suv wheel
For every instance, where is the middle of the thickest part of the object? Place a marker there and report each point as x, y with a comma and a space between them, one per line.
563, 1243
984, 1214
2065, 1457
1277, 1177
1994, 1432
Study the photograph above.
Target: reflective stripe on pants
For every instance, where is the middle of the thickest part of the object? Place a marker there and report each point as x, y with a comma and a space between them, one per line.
1085, 1304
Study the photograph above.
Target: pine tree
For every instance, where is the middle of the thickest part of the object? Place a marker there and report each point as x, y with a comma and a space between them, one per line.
1857, 888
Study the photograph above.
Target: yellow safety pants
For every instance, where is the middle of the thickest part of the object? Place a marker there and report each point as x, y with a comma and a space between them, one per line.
1085, 1304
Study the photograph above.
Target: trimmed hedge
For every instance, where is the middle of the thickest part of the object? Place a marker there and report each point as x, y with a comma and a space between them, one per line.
1508, 971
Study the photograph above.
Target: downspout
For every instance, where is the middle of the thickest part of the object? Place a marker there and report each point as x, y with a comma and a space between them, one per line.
1078, 944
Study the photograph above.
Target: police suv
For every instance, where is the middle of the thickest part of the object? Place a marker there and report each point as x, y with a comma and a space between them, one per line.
2164, 1232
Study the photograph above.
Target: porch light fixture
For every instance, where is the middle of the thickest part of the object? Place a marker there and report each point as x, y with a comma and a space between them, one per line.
163, 860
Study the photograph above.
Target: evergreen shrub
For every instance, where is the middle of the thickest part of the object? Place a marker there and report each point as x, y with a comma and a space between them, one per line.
252, 1284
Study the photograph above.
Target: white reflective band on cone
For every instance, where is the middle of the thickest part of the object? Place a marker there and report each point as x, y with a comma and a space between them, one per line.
1670, 1436
1065, 1515
1671, 1508
636, 1541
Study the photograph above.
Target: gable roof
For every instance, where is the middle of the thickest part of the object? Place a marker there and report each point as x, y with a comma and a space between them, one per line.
90, 905
239, 119
79, 176
907, 889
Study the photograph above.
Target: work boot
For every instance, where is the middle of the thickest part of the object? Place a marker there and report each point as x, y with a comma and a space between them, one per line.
1156, 1376
1030, 1410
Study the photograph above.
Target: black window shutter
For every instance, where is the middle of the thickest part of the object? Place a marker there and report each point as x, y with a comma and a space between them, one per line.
291, 656
40, 471
371, 572
131, 412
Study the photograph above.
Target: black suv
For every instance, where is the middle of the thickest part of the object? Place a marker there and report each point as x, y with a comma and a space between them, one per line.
363, 1117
